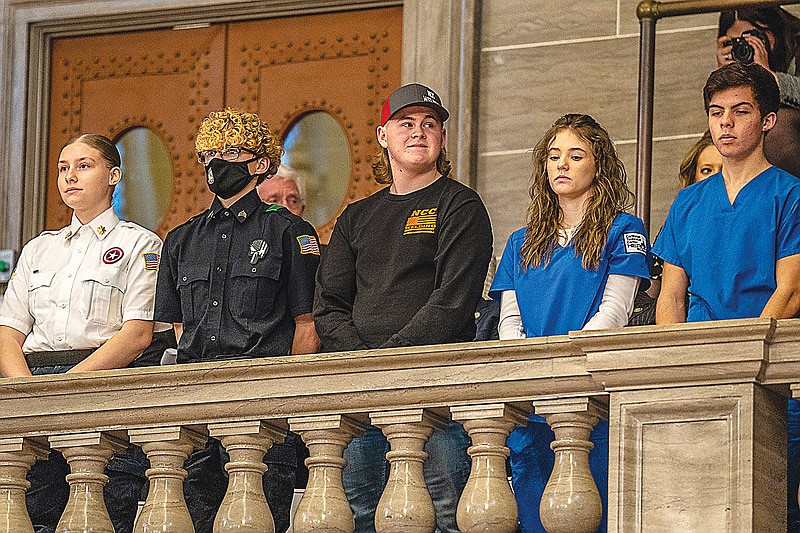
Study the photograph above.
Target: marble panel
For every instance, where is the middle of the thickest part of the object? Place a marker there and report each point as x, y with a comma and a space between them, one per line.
509, 22
694, 459
502, 182
629, 22
683, 63
664, 490
769, 458
525, 90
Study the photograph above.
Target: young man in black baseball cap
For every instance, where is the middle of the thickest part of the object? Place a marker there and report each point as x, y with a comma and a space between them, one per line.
405, 267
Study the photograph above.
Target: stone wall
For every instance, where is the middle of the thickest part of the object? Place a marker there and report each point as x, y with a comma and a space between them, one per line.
542, 59
538, 59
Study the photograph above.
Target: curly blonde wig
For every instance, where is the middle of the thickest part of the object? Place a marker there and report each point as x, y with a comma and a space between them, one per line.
610, 195
231, 127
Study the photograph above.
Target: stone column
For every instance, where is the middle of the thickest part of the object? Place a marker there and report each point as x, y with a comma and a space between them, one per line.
405, 505
324, 507
244, 508
87, 455
167, 448
571, 502
17, 455
696, 442
707, 458
487, 504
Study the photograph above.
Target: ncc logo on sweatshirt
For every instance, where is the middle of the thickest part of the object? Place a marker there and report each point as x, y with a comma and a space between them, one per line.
421, 221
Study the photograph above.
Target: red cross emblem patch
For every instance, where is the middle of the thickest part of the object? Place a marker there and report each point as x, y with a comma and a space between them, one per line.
113, 255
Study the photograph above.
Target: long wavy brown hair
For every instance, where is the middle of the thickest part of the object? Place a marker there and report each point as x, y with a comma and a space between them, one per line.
610, 195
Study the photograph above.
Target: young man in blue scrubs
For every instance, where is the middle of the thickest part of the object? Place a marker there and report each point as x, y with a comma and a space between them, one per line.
732, 241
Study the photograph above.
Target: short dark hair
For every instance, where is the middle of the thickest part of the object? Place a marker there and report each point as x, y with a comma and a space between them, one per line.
763, 84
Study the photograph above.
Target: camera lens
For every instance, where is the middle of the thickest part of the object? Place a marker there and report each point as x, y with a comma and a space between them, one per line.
741, 50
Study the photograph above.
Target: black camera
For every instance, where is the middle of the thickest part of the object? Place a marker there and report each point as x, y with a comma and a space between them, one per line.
741, 50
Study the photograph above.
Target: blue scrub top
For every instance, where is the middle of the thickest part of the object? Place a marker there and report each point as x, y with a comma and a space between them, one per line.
562, 296
729, 251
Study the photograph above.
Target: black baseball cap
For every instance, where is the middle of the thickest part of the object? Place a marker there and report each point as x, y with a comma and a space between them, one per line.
413, 94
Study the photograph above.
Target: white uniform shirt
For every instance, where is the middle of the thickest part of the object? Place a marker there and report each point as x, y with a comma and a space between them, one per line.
73, 288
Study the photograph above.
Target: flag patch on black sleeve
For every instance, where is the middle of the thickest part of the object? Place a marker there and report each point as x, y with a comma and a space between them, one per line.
308, 244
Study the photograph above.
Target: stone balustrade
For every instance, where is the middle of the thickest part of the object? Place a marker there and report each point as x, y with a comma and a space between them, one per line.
697, 438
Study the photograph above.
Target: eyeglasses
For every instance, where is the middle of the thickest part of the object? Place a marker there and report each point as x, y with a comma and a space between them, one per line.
228, 154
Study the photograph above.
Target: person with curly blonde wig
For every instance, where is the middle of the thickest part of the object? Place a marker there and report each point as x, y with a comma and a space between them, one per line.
237, 280
576, 265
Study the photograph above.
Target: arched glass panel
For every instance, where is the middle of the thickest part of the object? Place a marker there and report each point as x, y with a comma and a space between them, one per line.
144, 193
316, 146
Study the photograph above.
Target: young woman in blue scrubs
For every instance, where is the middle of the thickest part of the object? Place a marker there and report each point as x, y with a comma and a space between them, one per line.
576, 265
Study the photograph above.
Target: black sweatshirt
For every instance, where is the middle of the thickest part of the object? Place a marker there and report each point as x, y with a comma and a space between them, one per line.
404, 270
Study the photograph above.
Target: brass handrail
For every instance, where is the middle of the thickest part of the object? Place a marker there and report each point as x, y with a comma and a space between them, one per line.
648, 12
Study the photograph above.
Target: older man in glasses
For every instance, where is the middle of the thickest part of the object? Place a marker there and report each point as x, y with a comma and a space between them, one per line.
286, 188
237, 281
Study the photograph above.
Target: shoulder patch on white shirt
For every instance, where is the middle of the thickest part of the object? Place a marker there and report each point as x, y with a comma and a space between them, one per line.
635, 243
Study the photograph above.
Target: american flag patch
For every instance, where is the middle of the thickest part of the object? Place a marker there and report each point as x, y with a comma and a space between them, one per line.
150, 261
308, 244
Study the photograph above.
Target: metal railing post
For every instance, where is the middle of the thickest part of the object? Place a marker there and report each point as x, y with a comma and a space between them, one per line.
648, 12
644, 123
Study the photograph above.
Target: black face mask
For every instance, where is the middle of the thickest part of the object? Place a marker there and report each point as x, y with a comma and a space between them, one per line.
227, 178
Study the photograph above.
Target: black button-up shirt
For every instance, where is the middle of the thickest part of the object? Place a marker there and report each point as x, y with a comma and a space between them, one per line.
236, 277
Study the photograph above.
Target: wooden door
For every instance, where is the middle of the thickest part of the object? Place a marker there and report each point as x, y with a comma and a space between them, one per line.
344, 64
165, 81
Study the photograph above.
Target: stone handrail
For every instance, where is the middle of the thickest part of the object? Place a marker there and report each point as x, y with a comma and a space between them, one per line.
696, 416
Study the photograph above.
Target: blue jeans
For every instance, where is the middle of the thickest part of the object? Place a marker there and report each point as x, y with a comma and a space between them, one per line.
532, 463
446, 471
207, 482
49, 491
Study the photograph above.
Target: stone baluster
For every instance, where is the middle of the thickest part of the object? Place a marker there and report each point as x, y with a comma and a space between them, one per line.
17, 455
324, 507
487, 504
245, 508
87, 455
405, 505
167, 448
571, 502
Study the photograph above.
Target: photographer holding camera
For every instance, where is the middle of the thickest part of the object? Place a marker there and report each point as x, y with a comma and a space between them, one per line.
769, 37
